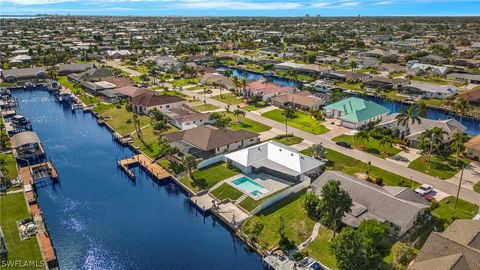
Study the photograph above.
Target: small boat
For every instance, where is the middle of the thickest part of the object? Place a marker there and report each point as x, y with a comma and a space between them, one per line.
28, 85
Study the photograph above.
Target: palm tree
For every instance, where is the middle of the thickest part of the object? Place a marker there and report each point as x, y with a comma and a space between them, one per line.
189, 162
422, 109
460, 106
387, 143
407, 116
239, 113
289, 113
458, 144
432, 140
362, 136
318, 151
353, 65
236, 82
138, 129
243, 84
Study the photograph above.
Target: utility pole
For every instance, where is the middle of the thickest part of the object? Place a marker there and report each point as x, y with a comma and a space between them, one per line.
459, 185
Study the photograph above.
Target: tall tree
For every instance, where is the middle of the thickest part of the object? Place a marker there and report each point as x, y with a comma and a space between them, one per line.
239, 113
349, 251
458, 144
189, 162
406, 117
461, 107
387, 143
318, 151
334, 203
422, 109
289, 113
362, 136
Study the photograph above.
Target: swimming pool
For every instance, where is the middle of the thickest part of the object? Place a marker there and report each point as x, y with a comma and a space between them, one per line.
250, 186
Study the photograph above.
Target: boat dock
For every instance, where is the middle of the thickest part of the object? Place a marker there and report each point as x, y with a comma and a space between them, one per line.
153, 168
30, 174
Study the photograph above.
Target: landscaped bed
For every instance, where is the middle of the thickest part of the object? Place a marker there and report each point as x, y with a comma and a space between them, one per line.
372, 146
442, 167
302, 120
207, 177
226, 191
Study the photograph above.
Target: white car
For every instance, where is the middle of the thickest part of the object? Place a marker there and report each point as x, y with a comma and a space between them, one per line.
424, 189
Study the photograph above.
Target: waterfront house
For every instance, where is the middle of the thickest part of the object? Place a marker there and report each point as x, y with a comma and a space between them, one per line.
21, 75
465, 77
457, 248
186, 117
92, 74
275, 159
355, 112
207, 141
148, 101
414, 133
472, 148
303, 100
385, 83
165, 63
66, 69
428, 90
125, 92
345, 75
473, 96
217, 79
265, 89
398, 207
27, 145
419, 69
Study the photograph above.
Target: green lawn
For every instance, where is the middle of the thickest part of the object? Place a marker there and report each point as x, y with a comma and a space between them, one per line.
173, 93
121, 119
135, 79
10, 170
228, 98
63, 80
248, 124
320, 249
350, 165
12, 209
442, 167
171, 166
184, 82
371, 146
288, 140
435, 80
88, 99
205, 107
302, 120
150, 145
298, 226
476, 187
351, 86
196, 87
249, 204
226, 191
207, 177
254, 107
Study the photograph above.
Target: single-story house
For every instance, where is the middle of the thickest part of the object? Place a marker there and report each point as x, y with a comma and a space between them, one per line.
398, 207
457, 248
126, 92
356, 112
186, 118
275, 159
24, 74
20, 60
414, 134
345, 75
391, 68
465, 77
428, 90
66, 69
304, 100
217, 79
433, 59
165, 63
117, 54
472, 148
385, 83
27, 145
207, 141
418, 68
473, 96
148, 101
266, 89
92, 74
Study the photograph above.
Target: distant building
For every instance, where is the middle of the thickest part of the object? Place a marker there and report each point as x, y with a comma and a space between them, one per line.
20, 75
356, 112
428, 90
303, 100
148, 101
266, 89
472, 148
66, 69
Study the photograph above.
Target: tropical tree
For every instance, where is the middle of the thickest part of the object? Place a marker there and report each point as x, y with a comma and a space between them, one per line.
406, 117
361, 136
189, 161
461, 107
422, 109
349, 250
289, 113
228, 73
353, 65
387, 142
458, 144
236, 82
239, 113
334, 203
311, 203
318, 151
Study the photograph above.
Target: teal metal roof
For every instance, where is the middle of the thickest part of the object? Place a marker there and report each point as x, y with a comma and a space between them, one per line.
357, 110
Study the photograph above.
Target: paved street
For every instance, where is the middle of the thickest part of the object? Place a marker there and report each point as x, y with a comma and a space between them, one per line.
116, 64
441, 185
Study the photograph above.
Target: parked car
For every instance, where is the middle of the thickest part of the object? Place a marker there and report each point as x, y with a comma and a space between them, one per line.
424, 189
344, 144
429, 197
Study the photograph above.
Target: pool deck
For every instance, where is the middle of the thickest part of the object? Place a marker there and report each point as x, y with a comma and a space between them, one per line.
153, 168
204, 202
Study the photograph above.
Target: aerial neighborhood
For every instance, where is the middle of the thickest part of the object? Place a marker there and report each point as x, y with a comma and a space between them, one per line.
316, 143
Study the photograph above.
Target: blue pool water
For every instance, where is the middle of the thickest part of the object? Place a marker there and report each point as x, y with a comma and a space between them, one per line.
473, 126
99, 219
250, 186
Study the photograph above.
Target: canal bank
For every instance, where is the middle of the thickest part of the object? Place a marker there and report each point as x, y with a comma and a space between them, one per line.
99, 218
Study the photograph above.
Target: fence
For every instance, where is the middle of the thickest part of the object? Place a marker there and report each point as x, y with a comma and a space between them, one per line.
282, 195
210, 161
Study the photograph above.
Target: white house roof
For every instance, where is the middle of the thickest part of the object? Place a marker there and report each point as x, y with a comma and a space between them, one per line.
274, 154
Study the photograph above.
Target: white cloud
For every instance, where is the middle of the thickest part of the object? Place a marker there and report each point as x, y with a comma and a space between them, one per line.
236, 5
383, 3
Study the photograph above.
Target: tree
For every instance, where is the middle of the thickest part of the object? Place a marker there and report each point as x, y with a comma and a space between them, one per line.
289, 113
334, 203
458, 144
386, 142
362, 136
189, 161
256, 99
353, 65
422, 109
318, 151
349, 251
374, 242
403, 254
239, 113
461, 107
406, 116
311, 203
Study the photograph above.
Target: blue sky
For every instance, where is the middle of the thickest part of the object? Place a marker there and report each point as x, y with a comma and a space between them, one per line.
243, 7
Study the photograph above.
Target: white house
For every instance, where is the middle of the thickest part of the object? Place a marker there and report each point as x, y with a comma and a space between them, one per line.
428, 90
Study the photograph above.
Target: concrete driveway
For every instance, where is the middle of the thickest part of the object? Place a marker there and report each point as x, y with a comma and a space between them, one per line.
471, 175
405, 157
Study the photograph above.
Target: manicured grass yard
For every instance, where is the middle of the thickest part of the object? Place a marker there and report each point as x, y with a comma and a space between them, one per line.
184, 82
476, 187
254, 107
442, 167
351, 86
248, 124
288, 140
226, 191
350, 165
207, 177
121, 119
10, 166
12, 209
205, 107
228, 98
298, 226
371, 146
150, 145
321, 250
88, 99
196, 87
303, 121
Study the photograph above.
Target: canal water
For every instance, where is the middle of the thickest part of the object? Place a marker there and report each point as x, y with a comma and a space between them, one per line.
473, 126
99, 219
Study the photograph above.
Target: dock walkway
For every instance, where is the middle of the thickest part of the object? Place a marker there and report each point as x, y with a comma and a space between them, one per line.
153, 168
